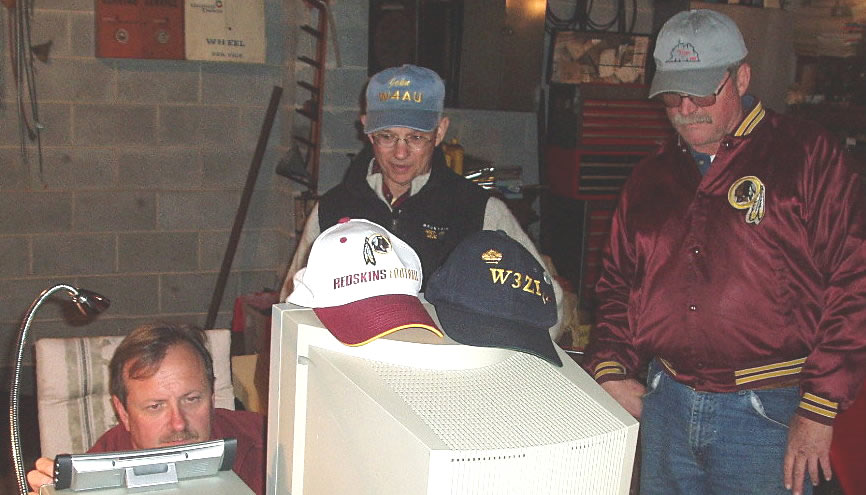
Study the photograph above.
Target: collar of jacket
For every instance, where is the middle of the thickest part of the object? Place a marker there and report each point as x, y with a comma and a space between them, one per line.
356, 176
754, 115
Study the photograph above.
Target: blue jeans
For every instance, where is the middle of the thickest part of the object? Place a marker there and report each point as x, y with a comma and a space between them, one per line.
704, 443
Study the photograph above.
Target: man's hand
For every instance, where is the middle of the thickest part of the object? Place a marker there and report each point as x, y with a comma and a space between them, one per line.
808, 446
43, 474
628, 393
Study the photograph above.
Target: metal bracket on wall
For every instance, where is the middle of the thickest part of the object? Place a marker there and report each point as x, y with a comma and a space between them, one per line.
311, 109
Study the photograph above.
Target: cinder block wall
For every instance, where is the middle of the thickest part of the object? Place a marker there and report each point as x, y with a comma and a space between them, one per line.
344, 85
144, 165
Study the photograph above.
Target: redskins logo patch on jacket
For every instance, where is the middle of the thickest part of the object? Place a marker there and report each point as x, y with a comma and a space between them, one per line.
748, 193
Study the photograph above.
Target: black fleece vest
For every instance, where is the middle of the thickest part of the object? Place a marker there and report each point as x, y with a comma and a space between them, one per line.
433, 221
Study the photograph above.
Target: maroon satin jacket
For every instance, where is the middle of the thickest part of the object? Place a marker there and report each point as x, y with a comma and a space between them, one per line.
749, 276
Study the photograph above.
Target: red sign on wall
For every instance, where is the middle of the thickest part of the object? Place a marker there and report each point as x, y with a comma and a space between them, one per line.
140, 29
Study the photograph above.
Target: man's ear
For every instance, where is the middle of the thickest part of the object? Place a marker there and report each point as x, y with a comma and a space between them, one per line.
441, 129
363, 126
744, 76
120, 410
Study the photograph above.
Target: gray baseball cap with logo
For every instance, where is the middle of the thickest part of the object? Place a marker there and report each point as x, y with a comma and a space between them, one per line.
693, 50
406, 96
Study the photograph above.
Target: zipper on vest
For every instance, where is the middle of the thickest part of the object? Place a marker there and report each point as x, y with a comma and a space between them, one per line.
395, 215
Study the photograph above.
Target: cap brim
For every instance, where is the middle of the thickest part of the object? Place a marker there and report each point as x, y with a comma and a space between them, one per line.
420, 120
695, 82
363, 321
471, 328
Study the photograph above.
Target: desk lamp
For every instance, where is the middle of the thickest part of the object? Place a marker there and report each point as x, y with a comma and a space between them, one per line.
88, 303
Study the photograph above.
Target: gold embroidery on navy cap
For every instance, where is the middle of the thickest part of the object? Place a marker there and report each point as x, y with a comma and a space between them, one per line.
491, 256
519, 281
748, 193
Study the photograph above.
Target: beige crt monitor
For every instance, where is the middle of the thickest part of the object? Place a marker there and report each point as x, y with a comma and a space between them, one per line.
412, 413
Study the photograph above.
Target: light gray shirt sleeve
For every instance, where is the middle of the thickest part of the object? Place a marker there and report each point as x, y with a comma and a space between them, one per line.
302, 251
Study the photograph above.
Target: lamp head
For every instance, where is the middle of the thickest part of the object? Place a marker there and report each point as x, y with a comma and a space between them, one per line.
89, 302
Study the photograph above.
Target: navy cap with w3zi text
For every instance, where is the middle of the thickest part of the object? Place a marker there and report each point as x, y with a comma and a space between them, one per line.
492, 292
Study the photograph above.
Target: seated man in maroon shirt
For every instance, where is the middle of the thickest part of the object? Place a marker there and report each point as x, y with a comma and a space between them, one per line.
162, 389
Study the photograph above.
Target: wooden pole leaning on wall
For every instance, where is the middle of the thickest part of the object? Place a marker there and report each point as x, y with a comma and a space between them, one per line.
241, 213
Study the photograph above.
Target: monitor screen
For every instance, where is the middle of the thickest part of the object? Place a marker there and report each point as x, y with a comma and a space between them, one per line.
412, 413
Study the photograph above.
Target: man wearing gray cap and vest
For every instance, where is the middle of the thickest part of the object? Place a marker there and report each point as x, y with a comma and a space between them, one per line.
736, 270
405, 185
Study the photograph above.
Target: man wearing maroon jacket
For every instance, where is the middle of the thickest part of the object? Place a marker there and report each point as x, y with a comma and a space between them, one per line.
736, 270
162, 388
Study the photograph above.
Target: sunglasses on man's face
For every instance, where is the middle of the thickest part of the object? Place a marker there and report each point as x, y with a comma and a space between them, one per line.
674, 100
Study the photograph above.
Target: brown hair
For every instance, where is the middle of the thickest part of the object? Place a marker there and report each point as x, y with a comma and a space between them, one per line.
145, 348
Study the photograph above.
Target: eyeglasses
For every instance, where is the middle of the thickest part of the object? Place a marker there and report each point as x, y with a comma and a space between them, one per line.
415, 142
673, 100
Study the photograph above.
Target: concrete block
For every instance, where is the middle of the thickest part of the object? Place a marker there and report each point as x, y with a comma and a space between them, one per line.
227, 168
351, 12
344, 88
508, 139
197, 210
15, 256
332, 168
157, 81
192, 292
73, 254
108, 211
8, 341
251, 121
56, 120
8, 115
250, 281
35, 212
114, 125
72, 168
163, 169
198, 126
339, 130
277, 29
353, 45
51, 26
230, 168
16, 296
76, 80
130, 295
270, 208
223, 320
153, 252
83, 42
77, 5
16, 173
238, 84
257, 249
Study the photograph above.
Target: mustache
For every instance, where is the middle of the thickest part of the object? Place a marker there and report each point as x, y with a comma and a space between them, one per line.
691, 119
181, 436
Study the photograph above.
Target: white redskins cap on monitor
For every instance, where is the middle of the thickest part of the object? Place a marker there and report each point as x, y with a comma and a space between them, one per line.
362, 282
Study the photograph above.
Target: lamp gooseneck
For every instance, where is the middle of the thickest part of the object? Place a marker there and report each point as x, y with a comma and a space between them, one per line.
88, 303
